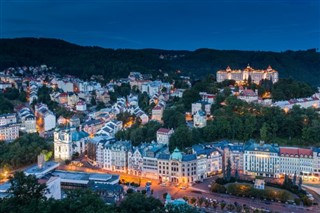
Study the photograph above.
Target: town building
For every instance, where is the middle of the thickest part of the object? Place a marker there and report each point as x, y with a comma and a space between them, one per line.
45, 119
163, 135
261, 159
177, 167
67, 142
248, 95
200, 119
241, 76
81, 106
9, 132
157, 113
9, 129
297, 161
201, 105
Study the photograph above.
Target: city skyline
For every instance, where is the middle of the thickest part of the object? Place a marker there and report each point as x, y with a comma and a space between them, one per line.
245, 25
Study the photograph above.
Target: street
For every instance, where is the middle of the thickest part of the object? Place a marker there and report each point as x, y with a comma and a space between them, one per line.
197, 190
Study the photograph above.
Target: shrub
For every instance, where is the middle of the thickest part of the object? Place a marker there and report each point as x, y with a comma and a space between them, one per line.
218, 188
130, 191
297, 201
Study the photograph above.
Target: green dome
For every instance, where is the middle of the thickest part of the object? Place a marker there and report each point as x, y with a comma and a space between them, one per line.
176, 155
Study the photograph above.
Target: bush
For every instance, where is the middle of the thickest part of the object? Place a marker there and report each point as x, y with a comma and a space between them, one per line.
297, 201
130, 191
218, 188
306, 201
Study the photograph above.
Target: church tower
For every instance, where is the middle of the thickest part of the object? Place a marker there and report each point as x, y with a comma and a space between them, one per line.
62, 144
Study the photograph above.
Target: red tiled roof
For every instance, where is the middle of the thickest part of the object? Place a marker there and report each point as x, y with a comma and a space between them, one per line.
295, 151
157, 107
163, 130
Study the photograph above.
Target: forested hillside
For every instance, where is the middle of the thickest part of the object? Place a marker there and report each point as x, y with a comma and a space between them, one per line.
85, 61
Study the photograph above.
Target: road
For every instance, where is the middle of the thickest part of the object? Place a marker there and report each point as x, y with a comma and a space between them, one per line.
198, 190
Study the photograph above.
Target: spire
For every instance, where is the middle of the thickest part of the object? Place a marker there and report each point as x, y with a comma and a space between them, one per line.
228, 69
269, 68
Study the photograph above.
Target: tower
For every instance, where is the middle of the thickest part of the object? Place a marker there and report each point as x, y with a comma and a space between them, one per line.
62, 144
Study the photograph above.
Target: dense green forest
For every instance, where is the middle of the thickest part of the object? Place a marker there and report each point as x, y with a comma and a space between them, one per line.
112, 63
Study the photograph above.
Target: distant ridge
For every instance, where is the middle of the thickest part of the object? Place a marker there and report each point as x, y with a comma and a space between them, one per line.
84, 61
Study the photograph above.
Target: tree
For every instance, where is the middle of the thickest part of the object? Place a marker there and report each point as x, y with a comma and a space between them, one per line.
185, 208
300, 183
228, 170
173, 118
93, 101
264, 132
249, 80
294, 180
193, 200
80, 201
181, 138
190, 96
137, 202
236, 175
26, 188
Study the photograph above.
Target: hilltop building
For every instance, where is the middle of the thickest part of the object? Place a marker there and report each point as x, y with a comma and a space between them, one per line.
241, 76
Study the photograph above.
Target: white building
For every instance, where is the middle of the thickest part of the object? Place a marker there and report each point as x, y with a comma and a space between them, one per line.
9, 132
209, 160
68, 142
261, 160
248, 95
81, 106
9, 129
200, 119
46, 120
113, 156
157, 113
316, 161
313, 102
296, 160
201, 105
135, 160
163, 135
178, 167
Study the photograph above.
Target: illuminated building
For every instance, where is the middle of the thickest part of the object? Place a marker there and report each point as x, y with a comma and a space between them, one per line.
209, 160
199, 105
81, 106
163, 135
312, 101
9, 129
241, 76
261, 159
316, 161
177, 167
9, 132
67, 142
27, 118
296, 160
248, 95
200, 119
150, 160
157, 113
45, 119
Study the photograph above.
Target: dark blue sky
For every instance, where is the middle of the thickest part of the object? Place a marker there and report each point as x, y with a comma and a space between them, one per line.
274, 25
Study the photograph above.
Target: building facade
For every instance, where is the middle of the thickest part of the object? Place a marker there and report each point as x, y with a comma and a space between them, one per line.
241, 76
261, 160
67, 142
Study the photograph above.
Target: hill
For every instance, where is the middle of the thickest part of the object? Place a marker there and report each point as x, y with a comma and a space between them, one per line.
84, 61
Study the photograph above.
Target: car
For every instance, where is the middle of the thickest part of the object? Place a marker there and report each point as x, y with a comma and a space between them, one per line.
267, 202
